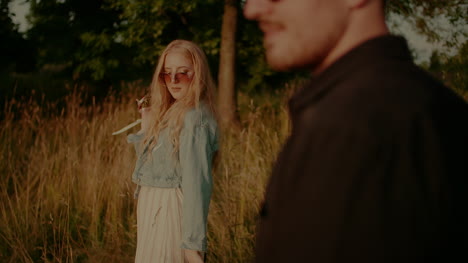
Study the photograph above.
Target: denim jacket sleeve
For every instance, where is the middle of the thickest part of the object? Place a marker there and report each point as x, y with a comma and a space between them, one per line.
197, 146
137, 140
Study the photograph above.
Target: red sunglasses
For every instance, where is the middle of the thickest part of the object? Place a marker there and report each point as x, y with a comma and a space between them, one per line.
182, 77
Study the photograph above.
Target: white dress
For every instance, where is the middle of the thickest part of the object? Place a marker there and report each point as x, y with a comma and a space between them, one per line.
159, 220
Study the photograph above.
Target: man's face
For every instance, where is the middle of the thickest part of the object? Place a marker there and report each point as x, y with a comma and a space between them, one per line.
299, 33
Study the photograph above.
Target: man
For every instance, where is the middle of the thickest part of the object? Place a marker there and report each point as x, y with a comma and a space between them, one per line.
375, 169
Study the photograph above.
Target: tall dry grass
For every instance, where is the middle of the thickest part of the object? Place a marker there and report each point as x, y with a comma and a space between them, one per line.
65, 188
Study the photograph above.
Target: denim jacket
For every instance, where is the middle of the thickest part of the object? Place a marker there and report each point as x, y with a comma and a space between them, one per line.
198, 143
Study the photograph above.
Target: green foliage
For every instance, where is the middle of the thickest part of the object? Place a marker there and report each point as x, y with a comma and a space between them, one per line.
8, 32
424, 13
79, 35
15, 52
452, 70
149, 25
109, 41
430, 8
93, 58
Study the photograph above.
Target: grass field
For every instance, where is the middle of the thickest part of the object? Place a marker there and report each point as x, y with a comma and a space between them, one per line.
65, 188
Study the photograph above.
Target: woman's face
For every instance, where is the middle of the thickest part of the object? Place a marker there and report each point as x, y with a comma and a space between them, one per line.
177, 74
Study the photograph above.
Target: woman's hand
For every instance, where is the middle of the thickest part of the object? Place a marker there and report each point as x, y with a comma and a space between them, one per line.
145, 115
193, 256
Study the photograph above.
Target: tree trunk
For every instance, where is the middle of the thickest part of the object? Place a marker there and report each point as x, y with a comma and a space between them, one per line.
226, 76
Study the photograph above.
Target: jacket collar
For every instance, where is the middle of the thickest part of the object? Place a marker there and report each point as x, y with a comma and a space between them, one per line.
387, 47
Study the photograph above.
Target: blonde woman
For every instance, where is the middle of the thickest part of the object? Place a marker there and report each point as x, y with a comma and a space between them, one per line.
175, 148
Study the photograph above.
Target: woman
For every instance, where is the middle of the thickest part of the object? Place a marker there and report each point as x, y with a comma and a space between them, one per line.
175, 148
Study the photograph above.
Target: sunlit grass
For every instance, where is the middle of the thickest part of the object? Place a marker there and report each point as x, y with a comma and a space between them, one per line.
66, 192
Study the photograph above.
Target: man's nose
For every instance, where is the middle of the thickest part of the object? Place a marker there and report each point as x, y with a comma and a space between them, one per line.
254, 9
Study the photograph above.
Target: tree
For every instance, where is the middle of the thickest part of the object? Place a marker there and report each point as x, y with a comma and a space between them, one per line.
8, 34
106, 39
77, 37
452, 70
421, 14
149, 25
226, 77
16, 55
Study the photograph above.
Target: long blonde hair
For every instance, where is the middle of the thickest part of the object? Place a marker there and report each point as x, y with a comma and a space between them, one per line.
166, 112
